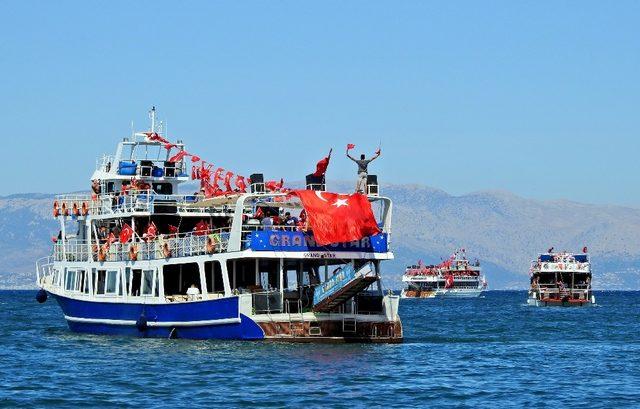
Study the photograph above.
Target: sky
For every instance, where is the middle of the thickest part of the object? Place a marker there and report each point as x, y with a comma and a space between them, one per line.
540, 98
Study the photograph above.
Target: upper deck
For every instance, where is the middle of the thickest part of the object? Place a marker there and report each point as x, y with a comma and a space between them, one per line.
561, 262
137, 189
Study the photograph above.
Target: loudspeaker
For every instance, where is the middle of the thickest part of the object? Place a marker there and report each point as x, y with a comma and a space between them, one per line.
315, 182
146, 167
257, 183
372, 184
170, 169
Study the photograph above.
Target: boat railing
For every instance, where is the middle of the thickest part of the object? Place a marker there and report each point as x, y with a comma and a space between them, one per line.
132, 202
163, 247
553, 291
44, 270
105, 163
267, 302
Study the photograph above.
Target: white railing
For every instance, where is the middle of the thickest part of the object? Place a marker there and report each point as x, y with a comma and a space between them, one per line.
132, 202
44, 270
164, 246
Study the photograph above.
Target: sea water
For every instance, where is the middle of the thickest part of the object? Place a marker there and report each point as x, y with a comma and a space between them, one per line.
493, 350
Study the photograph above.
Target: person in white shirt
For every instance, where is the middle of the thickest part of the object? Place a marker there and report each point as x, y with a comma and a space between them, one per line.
193, 291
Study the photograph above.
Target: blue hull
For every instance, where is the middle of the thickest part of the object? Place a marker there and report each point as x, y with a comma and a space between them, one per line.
211, 319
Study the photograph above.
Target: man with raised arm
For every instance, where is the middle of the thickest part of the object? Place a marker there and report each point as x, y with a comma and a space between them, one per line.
363, 163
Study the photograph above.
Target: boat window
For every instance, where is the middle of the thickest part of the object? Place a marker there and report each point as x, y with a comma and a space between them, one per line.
244, 278
100, 281
290, 274
127, 280
213, 274
70, 281
87, 280
147, 282
136, 281
177, 278
269, 273
80, 279
163, 188
112, 278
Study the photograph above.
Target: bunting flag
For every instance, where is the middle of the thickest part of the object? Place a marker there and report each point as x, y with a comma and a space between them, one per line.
126, 233
217, 176
336, 218
227, 182
154, 137
179, 156
322, 165
240, 184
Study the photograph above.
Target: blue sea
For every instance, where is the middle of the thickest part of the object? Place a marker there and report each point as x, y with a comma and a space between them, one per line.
493, 351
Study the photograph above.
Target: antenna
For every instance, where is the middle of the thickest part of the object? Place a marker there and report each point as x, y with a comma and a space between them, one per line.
152, 115
133, 132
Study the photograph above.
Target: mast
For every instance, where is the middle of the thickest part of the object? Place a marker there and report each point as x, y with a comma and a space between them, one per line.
152, 115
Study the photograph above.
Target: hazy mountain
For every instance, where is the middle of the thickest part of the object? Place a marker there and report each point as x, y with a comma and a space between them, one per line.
503, 230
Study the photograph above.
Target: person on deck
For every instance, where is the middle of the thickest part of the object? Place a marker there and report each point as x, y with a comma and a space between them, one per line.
267, 222
193, 291
290, 221
103, 234
363, 164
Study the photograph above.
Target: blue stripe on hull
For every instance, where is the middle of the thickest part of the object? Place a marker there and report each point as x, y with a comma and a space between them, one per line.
210, 310
245, 330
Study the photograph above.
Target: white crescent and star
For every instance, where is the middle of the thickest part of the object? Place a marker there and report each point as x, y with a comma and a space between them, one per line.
337, 203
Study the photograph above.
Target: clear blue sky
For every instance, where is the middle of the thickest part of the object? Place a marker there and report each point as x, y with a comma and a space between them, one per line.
541, 98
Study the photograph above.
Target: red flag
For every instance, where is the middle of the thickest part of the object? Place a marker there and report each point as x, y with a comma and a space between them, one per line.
227, 181
178, 156
168, 146
195, 158
173, 229
154, 137
336, 218
217, 176
448, 281
151, 232
126, 233
274, 186
322, 165
350, 146
240, 184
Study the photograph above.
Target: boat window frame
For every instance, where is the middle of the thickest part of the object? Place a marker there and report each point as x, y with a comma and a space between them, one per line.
154, 279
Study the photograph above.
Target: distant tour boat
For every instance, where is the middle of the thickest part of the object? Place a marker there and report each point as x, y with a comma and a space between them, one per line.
561, 279
137, 258
455, 277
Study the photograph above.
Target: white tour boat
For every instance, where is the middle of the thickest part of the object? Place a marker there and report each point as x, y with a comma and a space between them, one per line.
138, 258
561, 279
455, 277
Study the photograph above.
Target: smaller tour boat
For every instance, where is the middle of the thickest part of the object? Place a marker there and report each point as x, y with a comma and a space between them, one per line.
561, 279
455, 277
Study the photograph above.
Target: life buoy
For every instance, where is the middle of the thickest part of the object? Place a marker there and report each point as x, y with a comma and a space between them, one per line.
65, 211
75, 210
133, 252
166, 251
85, 208
56, 209
211, 247
102, 254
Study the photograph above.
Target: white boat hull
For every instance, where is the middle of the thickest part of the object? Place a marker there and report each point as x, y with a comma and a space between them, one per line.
448, 293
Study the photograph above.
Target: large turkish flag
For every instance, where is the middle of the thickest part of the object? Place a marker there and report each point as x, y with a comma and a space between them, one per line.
337, 218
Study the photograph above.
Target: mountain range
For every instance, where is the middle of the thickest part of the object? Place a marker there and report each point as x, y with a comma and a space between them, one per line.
504, 231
